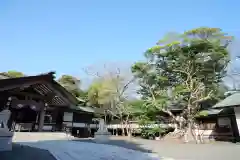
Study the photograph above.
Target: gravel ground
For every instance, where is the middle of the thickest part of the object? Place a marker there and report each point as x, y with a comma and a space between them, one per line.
63, 148
26, 153
72, 150
214, 151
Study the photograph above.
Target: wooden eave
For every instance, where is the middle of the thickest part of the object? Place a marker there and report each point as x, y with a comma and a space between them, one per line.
44, 85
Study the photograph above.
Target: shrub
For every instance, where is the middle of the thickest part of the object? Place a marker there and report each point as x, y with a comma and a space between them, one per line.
152, 132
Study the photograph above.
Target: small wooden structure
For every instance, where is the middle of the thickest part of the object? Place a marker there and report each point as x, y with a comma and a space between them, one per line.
232, 102
217, 124
79, 121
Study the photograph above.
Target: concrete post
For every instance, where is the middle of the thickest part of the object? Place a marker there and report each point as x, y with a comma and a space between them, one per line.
237, 115
41, 119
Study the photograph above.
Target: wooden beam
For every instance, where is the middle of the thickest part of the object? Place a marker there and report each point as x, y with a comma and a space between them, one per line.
12, 86
28, 94
46, 98
58, 94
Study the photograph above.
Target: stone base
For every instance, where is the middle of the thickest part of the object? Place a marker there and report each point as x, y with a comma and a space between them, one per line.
5, 144
101, 136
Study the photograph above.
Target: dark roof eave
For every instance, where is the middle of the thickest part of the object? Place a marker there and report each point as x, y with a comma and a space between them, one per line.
231, 101
72, 99
11, 83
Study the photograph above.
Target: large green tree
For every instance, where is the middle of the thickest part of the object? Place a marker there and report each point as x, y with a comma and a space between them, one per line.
192, 67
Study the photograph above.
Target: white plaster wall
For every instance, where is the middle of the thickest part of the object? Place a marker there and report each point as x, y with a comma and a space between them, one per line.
68, 117
237, 114
136, 126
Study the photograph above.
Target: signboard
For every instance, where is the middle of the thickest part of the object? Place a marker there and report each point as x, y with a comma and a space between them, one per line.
68, 117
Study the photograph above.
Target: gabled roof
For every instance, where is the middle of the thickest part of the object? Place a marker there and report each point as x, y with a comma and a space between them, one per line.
230, 101
43, 84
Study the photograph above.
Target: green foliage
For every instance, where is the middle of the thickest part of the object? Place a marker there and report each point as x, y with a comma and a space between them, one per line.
69, 80
152, 132
72, 84
202, 114
192, 64
136, 107
14, 74
101, 92
143, 114
108, 93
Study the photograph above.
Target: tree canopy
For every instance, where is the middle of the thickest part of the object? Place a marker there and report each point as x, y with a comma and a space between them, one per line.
192, 67
72, 84
14, 74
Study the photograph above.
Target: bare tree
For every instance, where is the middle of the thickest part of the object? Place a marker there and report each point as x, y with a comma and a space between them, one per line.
115, 88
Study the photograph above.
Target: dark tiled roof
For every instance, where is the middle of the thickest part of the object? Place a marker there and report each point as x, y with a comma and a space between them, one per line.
230, 101
44, 85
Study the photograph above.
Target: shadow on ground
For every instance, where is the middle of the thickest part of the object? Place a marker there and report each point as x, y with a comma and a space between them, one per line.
120, 143
20, 152
117, 149
182, 151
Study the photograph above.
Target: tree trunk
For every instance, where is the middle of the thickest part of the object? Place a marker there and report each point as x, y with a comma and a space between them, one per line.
105, 116
189, 134
116, 132
199, 135
175, 127
128, 129
123, 129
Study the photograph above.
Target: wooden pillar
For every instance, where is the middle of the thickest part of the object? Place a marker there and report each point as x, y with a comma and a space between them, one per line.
116, 131
41, 119
11, 120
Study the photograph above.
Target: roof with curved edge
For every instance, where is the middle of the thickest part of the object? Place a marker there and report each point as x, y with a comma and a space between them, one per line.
231, 101
43, 84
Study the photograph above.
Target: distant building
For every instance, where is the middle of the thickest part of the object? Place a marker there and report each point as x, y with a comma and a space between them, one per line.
232, 102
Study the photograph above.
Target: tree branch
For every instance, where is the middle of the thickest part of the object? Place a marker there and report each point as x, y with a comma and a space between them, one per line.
204, 98
113, 114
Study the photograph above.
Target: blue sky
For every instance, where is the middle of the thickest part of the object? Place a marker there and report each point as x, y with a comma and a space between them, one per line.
41, 35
